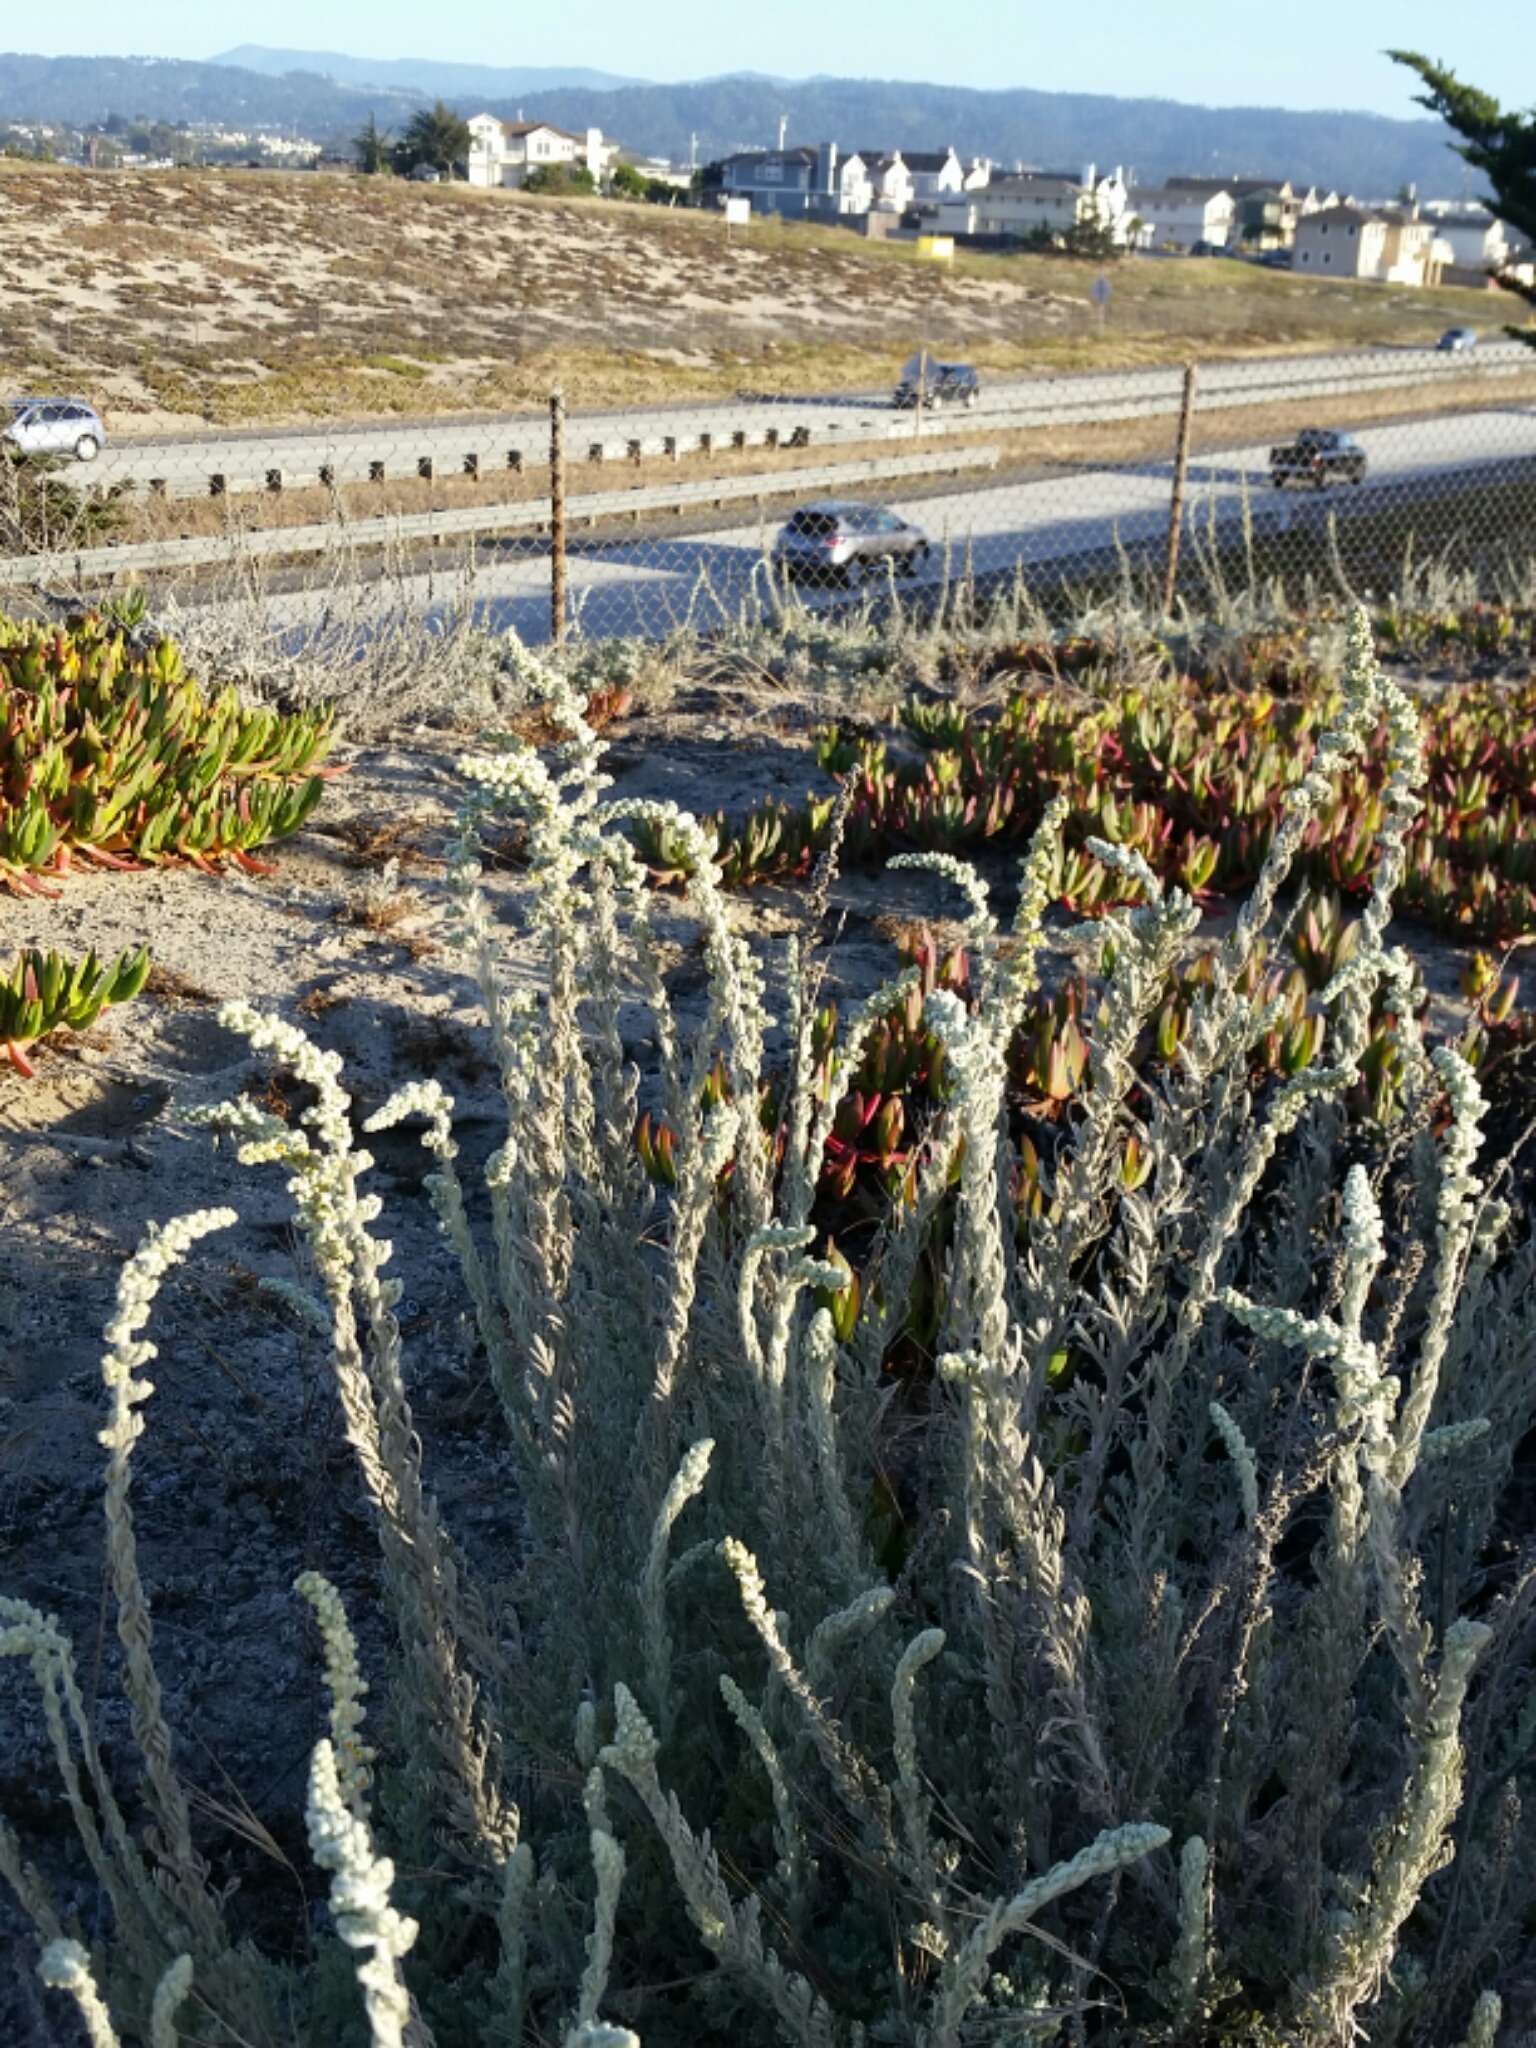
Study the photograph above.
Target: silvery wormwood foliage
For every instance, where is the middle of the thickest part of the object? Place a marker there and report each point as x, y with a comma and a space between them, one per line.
1193, 1702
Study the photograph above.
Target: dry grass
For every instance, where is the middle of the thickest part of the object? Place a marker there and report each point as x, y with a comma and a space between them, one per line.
238, 299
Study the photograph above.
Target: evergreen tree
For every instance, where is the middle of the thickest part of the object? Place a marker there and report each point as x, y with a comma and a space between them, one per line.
371, 148
1496, 141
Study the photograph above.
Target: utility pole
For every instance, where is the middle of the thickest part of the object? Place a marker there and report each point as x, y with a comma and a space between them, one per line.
693, 152
783, 130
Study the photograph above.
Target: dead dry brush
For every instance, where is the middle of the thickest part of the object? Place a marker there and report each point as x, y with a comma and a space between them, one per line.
1156, 1669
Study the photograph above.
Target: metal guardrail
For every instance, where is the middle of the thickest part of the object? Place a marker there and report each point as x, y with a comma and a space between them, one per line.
268, 542
441, 450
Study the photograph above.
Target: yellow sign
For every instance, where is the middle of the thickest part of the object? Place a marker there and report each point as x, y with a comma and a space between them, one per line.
937, 248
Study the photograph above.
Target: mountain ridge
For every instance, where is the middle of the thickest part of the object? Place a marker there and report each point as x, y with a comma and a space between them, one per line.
428, 75
1369, 154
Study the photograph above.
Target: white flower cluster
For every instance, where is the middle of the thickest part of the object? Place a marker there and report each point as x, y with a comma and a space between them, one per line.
965, 1975
347, 1688
66, 1967
1240, 1453
634, 1746
1125, 860
323, 1175
980, 925
137, 1285
360, 1887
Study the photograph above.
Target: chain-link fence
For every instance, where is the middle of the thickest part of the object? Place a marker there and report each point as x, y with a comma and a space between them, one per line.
1333, 467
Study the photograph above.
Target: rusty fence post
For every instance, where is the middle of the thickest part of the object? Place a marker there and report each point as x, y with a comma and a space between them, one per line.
1180, 473
557, 517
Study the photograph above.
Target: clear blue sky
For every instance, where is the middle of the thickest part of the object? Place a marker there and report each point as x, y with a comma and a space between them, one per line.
1302, 53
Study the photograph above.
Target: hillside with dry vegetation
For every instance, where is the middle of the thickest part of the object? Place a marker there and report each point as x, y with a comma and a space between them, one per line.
198, 297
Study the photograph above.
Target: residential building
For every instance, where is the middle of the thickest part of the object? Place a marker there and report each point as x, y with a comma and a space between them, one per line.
1478, 241
888, 180
923, 175
798, 183
1022, 204
502, 153
1346, 241
1265, 210
1390, 244
1177, 217
822, 182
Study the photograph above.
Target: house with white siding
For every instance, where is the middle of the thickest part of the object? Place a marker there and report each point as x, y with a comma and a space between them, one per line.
1022, 204
1176, 217
502, 153
822, 182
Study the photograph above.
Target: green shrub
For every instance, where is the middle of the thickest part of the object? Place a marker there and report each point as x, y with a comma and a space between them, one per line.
114, 756
561, 180
1131, 1680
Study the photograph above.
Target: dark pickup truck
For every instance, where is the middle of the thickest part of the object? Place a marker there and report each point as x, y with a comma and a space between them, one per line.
1318, 456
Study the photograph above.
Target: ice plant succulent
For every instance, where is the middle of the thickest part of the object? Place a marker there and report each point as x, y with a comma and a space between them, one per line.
44, 993
111, 755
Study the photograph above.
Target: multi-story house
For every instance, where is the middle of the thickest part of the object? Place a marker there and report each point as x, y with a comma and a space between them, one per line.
1390, 244
822, 182
1478, 242
926, 175
1023, 204
798, 183
889, 179
1266, 210
502, 153
1177, 217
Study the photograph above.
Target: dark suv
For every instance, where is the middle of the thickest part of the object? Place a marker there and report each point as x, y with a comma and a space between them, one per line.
937, 384
1318, 456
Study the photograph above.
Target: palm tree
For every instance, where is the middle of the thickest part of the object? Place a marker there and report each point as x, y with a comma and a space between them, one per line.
436, 136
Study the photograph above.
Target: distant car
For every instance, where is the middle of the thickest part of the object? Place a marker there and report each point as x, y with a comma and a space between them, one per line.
53, 426
1206, 249
1318, 456
932, 385
837, 543
1456, 339
424, 174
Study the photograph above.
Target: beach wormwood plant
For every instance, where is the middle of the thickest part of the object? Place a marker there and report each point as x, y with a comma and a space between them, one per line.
1191, 1702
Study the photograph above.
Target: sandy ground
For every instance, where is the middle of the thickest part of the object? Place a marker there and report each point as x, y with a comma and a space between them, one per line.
179, 299
242, 1478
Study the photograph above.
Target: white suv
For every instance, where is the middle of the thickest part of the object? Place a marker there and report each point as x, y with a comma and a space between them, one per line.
53, 426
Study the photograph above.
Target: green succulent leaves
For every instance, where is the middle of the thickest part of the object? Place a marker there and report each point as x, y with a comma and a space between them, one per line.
44, 992
113, 755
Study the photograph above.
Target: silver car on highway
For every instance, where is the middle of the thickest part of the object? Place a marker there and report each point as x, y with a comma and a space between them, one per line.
837, 542
52, 426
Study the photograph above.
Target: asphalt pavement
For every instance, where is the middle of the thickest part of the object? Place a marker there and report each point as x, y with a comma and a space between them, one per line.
261, 459
648, 586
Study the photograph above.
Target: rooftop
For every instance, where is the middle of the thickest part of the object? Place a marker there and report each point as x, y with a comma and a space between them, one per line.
1239, 188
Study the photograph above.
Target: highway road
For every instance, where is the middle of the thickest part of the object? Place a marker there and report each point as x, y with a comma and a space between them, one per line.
262, 459
647, 586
